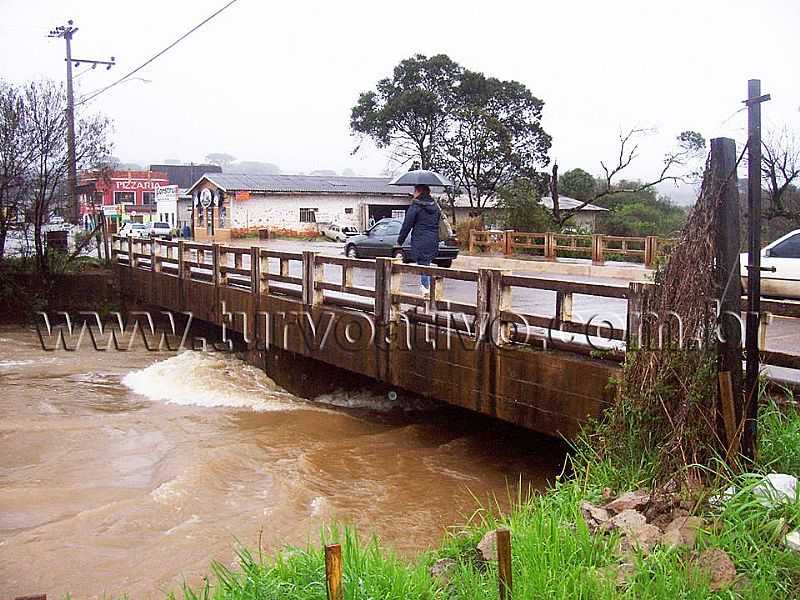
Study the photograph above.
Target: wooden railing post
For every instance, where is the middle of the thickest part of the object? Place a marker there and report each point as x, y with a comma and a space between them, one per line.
131, 257
650, 250
504, 578
638, 335
263, 273
550, 246
312, 272
471, 241
499, 301
215, 264
598, 242
155, 259
508, 240
223, 262
482, 305
386, 285
181, 258
564, 306
333, 572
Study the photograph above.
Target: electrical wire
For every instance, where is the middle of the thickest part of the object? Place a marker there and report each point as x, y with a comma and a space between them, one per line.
95, 94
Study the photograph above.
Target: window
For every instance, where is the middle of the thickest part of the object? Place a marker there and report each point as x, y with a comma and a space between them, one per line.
148, 197
348, 211
399, 214
308, 215
789, 248
124, 197
392, 228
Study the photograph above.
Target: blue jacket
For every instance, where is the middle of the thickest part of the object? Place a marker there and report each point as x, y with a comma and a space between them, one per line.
422, 220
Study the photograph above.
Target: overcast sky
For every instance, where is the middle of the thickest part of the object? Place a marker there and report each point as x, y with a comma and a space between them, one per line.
275, 81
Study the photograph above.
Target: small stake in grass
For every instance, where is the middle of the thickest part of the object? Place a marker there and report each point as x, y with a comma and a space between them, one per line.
333, 571
504, 563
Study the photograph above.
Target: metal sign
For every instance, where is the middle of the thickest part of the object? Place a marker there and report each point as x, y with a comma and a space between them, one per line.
166, 193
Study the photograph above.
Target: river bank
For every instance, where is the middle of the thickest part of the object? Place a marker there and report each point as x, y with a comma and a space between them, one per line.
736, 548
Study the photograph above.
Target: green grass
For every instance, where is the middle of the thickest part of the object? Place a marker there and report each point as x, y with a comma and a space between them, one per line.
554, 555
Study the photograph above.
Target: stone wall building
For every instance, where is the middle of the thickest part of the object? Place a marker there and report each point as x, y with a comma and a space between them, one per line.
290, 204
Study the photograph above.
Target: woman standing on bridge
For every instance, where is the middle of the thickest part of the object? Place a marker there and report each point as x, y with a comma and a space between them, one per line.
422, 219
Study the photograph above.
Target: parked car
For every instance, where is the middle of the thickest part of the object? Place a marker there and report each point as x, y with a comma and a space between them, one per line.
784, 256
381, 240
338, 233
131, 229
159, 229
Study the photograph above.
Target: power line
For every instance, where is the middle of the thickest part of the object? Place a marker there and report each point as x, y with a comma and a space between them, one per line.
93, 95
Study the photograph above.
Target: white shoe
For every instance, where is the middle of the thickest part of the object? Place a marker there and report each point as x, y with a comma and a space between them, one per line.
423, 291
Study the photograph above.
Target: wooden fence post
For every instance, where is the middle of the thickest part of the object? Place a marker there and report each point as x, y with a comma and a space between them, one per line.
597, 249
131, 257
471, 248
181, 258
312, 272
499, 301
550, 246
508, 242
155, 259
504, 577
333, 572
482, 306
215, 264
727, 282
564, 306
637, 334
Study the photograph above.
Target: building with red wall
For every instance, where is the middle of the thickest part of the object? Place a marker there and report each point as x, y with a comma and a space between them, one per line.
121, 195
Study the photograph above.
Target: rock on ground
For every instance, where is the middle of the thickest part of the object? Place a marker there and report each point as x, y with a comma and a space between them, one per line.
594, 516
682, 531
443, 570
792, 540
487, 547
720, 566
629, 501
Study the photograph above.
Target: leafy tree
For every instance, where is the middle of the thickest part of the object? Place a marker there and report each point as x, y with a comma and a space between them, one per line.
220, 159
407, 113
494, 135
639, 213
578, 184
520, 203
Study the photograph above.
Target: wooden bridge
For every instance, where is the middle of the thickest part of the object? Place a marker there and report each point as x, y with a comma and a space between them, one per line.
479, 355
359, 316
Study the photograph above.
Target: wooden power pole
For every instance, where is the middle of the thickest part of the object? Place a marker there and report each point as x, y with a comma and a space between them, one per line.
728, 290
66, 32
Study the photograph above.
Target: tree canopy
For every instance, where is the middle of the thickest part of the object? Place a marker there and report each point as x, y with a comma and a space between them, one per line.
433, 114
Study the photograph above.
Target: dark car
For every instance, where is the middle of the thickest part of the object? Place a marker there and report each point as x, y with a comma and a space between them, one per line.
381, 240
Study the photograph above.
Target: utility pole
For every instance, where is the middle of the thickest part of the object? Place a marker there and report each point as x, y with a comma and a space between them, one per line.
66, 32
753, 102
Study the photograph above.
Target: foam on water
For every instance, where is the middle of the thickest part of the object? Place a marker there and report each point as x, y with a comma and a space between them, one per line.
211, 380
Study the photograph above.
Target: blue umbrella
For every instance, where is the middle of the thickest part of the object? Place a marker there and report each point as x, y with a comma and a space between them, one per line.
421, 177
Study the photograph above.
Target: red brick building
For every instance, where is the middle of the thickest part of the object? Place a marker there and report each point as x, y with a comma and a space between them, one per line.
123, 195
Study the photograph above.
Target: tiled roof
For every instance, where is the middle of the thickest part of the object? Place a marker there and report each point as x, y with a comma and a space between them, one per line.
231, 182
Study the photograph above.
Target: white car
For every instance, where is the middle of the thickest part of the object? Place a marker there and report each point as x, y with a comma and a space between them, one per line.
130, 229
159, 229
338, 233
784, 256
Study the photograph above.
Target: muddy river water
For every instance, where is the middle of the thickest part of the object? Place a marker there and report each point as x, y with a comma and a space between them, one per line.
128, 472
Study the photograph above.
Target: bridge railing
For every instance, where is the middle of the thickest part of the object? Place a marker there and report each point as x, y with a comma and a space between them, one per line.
386, 288
600, 248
